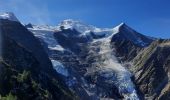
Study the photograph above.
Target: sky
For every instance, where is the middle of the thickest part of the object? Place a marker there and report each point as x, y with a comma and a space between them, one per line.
149, 17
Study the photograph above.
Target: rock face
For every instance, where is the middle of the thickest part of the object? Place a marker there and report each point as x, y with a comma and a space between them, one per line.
70, 39
152, 68
20, 34
22, 74
149, 62
128, 42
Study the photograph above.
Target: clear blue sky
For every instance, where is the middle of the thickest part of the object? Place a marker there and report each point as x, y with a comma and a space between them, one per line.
150, 17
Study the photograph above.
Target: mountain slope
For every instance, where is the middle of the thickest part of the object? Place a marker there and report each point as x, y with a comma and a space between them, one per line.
22, 73
124, 32
152, 70
21, 35
128, 42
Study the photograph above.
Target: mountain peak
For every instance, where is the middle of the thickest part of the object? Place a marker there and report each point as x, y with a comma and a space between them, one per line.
29, 25
69, 21
124, 32
78, 25
8, 15
122, 27
122, 24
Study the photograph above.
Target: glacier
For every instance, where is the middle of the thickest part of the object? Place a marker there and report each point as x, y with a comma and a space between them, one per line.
46, 33
110, 67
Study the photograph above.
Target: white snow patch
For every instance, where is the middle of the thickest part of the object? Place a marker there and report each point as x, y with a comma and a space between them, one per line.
118, 27
57, 47
60, 68
46, 34
8, 15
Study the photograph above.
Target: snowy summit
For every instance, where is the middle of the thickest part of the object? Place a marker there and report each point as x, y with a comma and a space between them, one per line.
9, 16
78, 25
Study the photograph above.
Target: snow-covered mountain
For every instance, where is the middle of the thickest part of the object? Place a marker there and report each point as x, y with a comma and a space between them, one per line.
82, 28
122, 30
85, 55
78, 25
80, 60
74, 60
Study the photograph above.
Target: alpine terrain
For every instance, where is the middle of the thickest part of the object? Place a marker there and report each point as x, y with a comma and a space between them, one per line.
77, 61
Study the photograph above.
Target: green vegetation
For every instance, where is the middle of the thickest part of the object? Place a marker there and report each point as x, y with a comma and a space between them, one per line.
24, 85
23, 76
8, 97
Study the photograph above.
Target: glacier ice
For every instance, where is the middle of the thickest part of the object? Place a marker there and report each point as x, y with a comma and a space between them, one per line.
115, 72
60, 68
